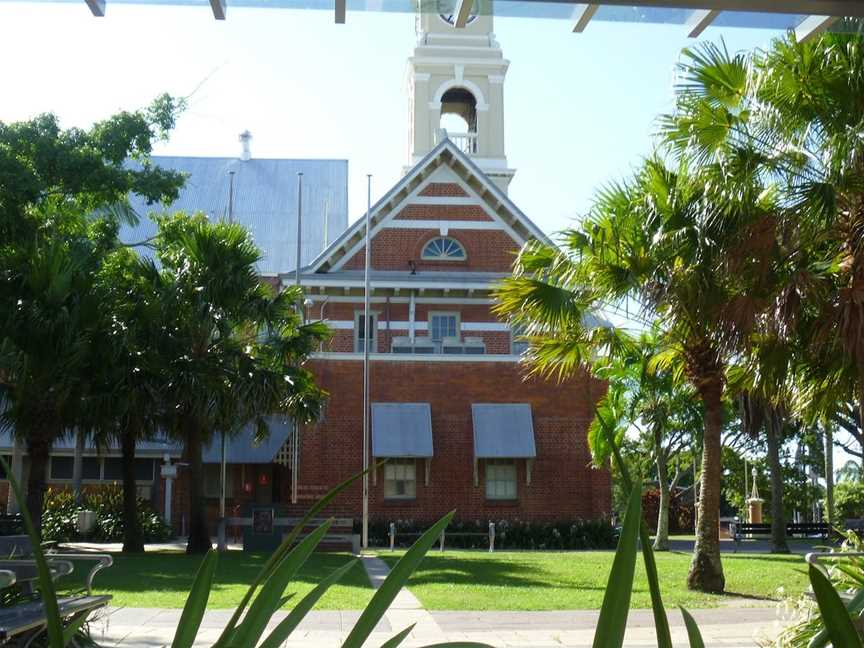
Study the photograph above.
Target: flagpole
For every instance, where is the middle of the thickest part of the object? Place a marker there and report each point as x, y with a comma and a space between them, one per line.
295, 445
366, 338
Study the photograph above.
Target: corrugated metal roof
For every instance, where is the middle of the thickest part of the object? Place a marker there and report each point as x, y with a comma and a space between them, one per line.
241, 448
265, 201
503, 431
66, 445
401, 430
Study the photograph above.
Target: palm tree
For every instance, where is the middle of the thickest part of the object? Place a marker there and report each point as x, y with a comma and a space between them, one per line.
233, 350
687, 257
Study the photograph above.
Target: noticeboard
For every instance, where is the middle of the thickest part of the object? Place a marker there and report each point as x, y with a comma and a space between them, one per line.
262, 521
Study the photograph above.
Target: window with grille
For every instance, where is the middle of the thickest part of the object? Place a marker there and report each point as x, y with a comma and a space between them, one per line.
443, 325
400, 479
518, 344
443, 248
500, 479
360, 332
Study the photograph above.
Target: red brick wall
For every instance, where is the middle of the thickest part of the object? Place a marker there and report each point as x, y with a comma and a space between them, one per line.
488, 251
443, 189
443, 213
563, 484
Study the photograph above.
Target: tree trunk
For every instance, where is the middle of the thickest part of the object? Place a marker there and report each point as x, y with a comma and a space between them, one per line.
77, 466
706, 570
38, 451
661, 539
133, 541
199, 533
829, 472
773, 426
13, 506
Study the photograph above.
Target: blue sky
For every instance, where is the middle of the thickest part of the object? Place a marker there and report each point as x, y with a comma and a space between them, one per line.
580, 108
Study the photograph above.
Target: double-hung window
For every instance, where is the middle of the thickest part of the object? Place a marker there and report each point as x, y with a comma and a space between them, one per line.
501, 479
360, 332
443, 326
400, 479
518, 344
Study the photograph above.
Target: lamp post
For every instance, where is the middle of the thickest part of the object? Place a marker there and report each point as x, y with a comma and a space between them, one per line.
366, 338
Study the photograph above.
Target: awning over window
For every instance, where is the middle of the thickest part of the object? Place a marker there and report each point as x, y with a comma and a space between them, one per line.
401, 430
503, 431
242, 448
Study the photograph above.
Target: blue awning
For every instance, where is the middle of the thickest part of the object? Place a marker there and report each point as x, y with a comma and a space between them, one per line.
242, 448
503, 431
401, 430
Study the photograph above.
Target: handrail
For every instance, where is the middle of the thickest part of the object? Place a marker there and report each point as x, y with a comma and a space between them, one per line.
813, 557
7, 578
103, 561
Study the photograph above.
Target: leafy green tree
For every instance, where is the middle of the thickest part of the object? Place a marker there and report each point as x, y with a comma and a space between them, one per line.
688, 257
232, 348
56, 191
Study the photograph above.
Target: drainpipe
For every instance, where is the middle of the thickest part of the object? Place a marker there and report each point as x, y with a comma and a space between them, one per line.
411, 310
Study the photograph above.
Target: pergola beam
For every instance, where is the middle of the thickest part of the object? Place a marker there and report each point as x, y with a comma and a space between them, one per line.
806, 7
220, 8
812, 26
463, 11
699, 21
582, 15
340, 12
97, 7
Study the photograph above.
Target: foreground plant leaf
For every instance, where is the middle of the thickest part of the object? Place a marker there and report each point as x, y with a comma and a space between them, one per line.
54, 624
394, 582
693, 633
855, 606
616, 601
398, 638
836, 618
196, 602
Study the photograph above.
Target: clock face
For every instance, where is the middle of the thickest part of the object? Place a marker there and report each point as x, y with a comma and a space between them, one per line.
448, 14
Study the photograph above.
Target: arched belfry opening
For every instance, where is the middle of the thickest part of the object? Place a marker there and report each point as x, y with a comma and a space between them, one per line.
459, 118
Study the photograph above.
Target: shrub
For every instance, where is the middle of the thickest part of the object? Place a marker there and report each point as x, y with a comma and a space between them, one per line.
509, 534
60, 516
680, 511
849, 500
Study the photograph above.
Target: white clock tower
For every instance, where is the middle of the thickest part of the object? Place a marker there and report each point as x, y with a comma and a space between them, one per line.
456, 83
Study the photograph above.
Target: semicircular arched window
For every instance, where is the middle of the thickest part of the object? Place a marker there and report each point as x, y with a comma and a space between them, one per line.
443, 248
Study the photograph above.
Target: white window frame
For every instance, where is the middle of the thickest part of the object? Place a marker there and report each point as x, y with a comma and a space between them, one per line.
492, 465
454, 314
102, 479
426, 257
358, 317
516, 332
389, 468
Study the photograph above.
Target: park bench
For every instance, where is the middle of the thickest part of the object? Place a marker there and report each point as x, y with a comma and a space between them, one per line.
458, 534
741, 530
26, 620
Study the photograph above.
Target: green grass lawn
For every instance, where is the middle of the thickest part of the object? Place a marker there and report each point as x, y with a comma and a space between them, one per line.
164, 579
465, 580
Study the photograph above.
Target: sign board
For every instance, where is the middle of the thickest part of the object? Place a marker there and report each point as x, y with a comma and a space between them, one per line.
169, 471
262, 521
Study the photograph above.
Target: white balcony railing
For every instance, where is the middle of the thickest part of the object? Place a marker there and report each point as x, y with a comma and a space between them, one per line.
465, 142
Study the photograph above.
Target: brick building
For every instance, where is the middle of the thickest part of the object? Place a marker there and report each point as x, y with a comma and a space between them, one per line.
452, 411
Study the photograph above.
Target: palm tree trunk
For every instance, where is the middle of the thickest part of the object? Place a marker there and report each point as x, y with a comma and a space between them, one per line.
38, 451
199, 533
661, 538
778, 519
77, 466
829, 472
133, 542
706, 570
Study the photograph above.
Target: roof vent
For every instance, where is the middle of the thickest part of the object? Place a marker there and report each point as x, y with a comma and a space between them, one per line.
245, 138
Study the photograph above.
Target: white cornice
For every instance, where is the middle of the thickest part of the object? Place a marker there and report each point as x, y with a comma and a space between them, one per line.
406, 357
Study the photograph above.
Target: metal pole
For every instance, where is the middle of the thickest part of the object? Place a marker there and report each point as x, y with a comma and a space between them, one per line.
222, 542
366, 338
230, 196
295, 446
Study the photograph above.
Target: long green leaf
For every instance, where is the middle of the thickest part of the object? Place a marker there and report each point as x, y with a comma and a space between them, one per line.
267, 602
196, 602
398, 638
459, 644
277, 555
616, 601
692, 630
282, 631
855, 606
661, 621
73, 627
394, 582
54, 625
836, 618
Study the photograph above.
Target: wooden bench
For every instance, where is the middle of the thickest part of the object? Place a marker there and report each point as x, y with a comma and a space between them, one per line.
740, 530
490, 535
27, 620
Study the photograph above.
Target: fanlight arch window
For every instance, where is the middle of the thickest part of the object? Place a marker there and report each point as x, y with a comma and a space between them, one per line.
443, 248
